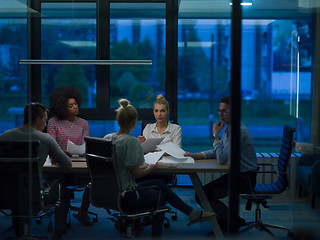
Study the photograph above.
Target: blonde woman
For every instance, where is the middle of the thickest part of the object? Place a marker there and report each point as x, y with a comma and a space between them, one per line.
162, 128
130, 160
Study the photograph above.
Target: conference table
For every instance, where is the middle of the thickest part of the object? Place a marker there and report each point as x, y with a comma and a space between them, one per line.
79, 169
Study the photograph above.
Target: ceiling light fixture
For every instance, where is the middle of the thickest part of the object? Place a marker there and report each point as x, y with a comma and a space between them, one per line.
244, 3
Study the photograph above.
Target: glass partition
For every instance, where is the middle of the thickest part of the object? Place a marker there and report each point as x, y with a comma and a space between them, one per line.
68, 32
275, 73
13, 76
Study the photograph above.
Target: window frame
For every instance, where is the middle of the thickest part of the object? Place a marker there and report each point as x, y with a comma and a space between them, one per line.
103, 111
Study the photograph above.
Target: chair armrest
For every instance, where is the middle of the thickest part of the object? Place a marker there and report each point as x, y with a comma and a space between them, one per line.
155, 187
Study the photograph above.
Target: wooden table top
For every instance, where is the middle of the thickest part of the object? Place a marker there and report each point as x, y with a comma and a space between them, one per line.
207, 165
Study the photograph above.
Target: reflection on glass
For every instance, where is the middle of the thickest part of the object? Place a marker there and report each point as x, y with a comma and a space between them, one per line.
68, 31
275, 73
139, 36
13, 76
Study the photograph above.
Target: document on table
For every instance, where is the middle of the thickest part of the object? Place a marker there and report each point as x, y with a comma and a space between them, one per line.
48, 162
150, 144
171, 159
153, 157
76, 149
175, 152
172, 149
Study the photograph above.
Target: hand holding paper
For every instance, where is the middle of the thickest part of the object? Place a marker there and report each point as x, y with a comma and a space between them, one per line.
150, 144
175, 152
152, 158
75, 149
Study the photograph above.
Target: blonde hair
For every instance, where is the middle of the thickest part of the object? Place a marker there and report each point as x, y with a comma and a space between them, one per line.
126, 113
161, 100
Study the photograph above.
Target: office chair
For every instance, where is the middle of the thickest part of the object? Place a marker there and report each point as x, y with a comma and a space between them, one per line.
80, 187
262, 192
21, 185
106, 184
168, 178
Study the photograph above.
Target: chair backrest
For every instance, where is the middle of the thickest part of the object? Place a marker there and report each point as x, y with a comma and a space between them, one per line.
20, 176
105, 189
285, 154
284, 157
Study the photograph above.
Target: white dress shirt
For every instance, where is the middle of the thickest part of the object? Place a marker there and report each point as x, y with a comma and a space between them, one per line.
171, 134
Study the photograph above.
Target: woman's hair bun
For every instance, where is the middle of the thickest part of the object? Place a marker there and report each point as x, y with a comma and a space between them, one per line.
160, 96
124, 102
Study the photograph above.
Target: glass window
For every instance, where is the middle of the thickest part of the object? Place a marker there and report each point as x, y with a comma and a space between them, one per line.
137, 35
275, 73
13, 76
203, 78
68, 32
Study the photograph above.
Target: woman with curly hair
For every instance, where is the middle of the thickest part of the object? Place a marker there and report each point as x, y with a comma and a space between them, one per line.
66, 125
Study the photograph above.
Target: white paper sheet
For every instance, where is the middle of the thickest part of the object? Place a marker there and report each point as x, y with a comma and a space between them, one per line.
76, 149
153, 157
171, 159
48, 162
150, 144
173, 150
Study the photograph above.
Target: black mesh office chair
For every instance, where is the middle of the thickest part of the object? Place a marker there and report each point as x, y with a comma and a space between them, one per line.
168, 178
80, 187
21, 185
106, 184
262, 192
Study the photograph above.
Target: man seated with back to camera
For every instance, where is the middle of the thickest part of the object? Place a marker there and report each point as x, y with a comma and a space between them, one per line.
218, 188
35, 117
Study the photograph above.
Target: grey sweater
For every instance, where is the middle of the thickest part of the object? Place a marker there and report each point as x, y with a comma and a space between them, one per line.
48, 146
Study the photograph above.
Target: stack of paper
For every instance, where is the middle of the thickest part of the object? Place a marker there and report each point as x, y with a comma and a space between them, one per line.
176, 155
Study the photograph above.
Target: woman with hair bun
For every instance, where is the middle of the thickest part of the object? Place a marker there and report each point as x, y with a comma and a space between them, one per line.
162, 128
130, 161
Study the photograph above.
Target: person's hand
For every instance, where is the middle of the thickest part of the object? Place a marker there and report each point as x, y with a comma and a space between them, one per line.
141, 139
217, 127
188, 154
152, 167
68, 154
194, 155
145, 165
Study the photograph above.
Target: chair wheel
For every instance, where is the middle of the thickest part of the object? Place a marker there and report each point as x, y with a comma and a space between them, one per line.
94, 219
167, 225
174, 217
